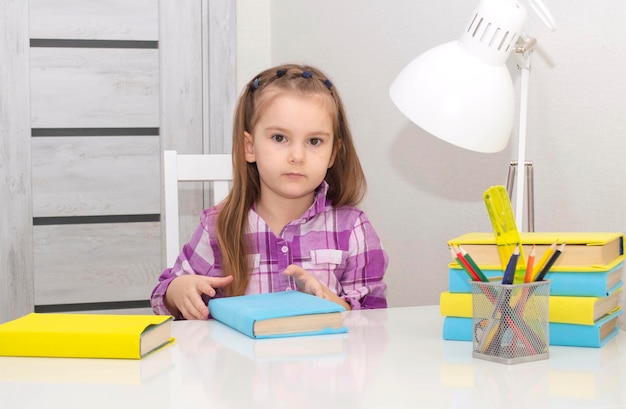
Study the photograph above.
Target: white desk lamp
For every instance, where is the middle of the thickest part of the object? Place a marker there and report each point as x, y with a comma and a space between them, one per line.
462, 92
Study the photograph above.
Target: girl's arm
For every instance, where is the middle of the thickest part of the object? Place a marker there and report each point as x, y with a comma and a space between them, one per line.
184, 295
196, 260
362, 278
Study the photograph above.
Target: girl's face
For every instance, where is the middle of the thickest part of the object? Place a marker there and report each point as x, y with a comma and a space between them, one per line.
292, 145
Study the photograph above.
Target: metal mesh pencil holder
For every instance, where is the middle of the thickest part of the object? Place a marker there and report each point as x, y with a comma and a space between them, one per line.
510, 322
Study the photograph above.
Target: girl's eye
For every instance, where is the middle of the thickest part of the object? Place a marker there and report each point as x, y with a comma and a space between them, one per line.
315, 141
279, 138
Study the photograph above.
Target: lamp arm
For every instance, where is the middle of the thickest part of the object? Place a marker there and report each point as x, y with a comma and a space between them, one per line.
521, 147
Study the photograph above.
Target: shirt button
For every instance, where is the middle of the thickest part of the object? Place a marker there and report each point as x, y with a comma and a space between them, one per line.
284, 249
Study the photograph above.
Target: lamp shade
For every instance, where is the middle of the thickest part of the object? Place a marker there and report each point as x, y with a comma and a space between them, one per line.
462, 91
457, 98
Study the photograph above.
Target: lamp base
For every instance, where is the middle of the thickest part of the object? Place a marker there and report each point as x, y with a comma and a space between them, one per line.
530, 189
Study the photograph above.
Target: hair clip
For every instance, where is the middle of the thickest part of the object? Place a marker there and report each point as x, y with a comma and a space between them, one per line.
328, 83
280, 73
255, 83
307, 74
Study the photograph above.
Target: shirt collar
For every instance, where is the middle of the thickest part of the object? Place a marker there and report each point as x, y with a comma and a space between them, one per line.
319, 202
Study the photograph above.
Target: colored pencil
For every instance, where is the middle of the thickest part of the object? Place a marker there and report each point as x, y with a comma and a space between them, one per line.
543, 260
509, 272
529, 266
473, 264
550, 263
464, 265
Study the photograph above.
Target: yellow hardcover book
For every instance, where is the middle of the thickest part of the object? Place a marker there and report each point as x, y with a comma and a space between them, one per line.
582, 310
455, 304
583, 249
567, 310
85, 335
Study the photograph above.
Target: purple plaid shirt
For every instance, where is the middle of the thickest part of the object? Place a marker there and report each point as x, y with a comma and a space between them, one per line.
337, 245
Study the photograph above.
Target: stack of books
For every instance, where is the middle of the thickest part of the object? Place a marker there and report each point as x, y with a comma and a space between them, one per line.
585, 285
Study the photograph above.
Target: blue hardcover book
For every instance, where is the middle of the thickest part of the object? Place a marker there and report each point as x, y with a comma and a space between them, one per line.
330, 348
592, 336
458, 329
596, 335
596, 282
281, 314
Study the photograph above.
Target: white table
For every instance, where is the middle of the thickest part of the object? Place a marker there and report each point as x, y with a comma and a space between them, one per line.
393, 358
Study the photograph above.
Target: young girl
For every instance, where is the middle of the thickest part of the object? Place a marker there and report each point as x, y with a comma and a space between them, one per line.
289, 221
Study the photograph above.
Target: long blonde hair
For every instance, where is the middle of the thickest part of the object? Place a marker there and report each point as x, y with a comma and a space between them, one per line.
345, 178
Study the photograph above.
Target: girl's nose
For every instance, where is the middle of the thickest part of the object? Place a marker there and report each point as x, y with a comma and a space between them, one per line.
296, 155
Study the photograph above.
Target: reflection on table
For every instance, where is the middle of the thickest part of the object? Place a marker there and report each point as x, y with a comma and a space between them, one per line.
389, 358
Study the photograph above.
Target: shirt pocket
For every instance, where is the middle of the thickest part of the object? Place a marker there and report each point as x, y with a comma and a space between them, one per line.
326, 256
326, 265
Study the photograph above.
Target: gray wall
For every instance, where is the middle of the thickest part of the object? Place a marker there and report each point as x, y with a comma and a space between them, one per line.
423, 191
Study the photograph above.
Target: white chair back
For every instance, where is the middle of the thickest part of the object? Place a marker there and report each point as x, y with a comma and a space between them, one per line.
215, 168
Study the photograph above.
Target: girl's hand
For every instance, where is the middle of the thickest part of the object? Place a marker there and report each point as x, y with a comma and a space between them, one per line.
307, 283
184, 295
